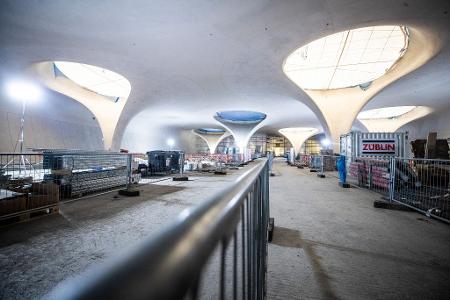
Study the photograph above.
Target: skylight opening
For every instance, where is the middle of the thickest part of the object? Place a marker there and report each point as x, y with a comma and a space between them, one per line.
299, 130
385, 112
99, 80
241, 116
210, 131
348, 58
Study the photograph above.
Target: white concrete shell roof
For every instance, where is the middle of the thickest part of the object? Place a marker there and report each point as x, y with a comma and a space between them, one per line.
186, 60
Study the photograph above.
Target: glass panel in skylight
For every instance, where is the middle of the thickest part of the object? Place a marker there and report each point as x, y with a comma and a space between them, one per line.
385, 112
96, 79
366, 53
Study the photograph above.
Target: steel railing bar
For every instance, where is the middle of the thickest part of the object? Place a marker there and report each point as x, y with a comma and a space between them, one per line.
161, 267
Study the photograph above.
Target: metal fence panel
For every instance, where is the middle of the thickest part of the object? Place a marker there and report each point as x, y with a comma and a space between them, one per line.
423, 184
373, 174
37, 182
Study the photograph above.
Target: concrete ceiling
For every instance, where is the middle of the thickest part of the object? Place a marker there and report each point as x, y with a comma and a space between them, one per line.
187, 60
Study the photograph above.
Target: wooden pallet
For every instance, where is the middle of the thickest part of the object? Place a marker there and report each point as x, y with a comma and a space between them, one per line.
28, 215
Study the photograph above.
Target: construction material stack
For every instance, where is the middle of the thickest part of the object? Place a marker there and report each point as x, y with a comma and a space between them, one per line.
81, 172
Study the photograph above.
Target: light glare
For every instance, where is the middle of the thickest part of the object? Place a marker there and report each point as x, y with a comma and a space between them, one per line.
23, 90
170, 142
326, 142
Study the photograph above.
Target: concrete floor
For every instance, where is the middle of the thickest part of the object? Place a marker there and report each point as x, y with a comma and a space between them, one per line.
331, 243
36, 255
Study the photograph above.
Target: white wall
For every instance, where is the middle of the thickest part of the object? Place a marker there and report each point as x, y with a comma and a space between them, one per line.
55, 122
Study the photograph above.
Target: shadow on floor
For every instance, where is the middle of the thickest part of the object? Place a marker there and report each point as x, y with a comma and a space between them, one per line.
286, 237
73, 214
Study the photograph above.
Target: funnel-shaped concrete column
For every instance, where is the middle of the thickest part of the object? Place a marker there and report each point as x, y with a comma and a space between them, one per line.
393, 123
338, 107
297, 136
105, 110
212, 138
242, 125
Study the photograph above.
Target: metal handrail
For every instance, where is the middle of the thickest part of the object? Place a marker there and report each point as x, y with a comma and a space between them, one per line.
169, 265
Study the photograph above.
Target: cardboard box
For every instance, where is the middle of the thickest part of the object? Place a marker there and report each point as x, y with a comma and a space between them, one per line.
43, 194
12, 204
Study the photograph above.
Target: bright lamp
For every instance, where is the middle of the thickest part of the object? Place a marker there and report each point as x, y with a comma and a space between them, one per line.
23, 90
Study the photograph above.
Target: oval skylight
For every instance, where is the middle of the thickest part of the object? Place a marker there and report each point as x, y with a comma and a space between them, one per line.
385, 112
298, 130
241, 116
99, 80
210, 131
348, 58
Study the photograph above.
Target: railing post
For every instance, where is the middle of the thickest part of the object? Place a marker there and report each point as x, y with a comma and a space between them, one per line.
129, 159
392, 179
321, 164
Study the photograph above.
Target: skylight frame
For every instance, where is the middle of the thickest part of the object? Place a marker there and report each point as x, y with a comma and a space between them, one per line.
385, 112
96, 79
348, 58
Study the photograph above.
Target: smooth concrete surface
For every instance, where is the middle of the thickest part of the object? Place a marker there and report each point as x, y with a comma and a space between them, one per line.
36, 256
331, 243
187, 60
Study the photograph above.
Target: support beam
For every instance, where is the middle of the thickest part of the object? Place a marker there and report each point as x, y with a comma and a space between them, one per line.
241, 132
340, 107
297, 136
106, 111
212, 139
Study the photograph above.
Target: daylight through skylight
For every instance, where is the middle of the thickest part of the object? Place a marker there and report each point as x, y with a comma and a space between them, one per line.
385, 112
347, 58
96, 79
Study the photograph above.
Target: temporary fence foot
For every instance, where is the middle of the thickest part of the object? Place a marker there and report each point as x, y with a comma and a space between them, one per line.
390, 205
321, 175
271, 228
180, 178
220, 172
344, 185
312, 170
129, 193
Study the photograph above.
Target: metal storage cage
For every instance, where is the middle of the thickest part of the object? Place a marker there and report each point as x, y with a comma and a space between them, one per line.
165, 162
79, 172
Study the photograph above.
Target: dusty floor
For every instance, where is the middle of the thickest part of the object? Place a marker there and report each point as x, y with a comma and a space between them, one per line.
35, 256
331, 243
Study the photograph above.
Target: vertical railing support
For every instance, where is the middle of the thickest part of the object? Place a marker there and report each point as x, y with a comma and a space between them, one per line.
129, 159
391, 179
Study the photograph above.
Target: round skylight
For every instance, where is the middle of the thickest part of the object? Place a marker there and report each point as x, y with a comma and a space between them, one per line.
241, 116
210, 131
95, 79
385, 112
298, 130
348, 58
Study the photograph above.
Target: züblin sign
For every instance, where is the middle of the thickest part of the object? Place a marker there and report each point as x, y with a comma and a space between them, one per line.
378, 147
